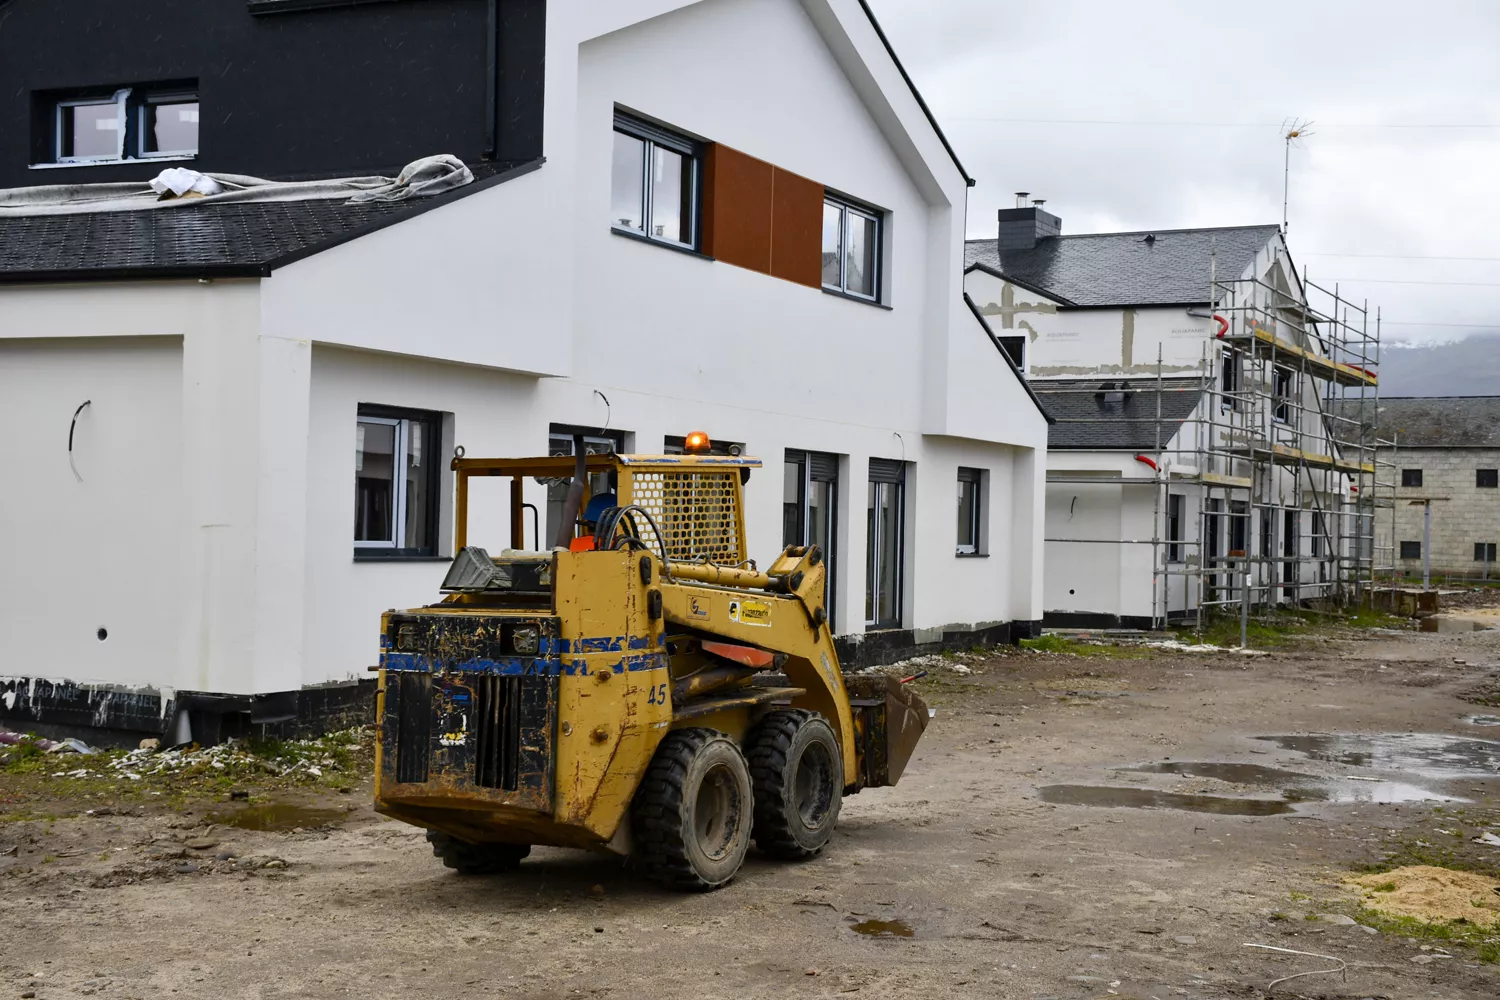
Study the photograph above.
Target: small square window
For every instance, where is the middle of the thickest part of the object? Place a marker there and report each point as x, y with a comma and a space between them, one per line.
1411, 550
1411, 477
851, 249
970, 483
395, 482
654, 183
1484, 552
1487, 479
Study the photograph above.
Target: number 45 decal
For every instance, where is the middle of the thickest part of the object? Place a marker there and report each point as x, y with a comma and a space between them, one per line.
656, 695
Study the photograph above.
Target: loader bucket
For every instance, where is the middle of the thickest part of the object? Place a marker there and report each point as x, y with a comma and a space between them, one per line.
889, 719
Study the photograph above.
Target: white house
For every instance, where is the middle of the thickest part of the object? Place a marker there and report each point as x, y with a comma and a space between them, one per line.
1194, 453
733, 216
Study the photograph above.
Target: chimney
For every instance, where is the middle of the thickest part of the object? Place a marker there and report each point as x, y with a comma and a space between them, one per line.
1021, 228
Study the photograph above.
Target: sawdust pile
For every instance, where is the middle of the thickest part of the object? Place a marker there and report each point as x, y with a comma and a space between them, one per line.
1432, 895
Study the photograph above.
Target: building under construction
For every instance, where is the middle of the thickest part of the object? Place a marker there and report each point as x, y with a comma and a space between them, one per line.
1215, 446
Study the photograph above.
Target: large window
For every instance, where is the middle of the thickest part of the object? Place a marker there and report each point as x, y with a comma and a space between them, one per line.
395, 482
130, 123
970, 508
809, 509
654, 183
851, 249
886, 503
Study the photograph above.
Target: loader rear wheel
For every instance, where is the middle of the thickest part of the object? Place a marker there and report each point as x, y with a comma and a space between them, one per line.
798, 772
693, 812
476, 859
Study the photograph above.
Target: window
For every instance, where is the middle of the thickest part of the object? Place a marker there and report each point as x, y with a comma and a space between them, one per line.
851, 249
809, 509
1229, 376
1487, 479
1267, 532
131, 123
1015, 347
1411, 550
1282, 413
654, 183
1174, 528
1484, 552
970, 494
1212, 529
1319, 530
884, 539
1239, 528
1289, 546
1411, 477
395, 482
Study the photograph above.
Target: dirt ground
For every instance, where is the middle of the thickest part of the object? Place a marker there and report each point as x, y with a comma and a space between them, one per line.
1003, 894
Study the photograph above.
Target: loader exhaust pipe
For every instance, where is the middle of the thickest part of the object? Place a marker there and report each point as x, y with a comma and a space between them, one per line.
574, 500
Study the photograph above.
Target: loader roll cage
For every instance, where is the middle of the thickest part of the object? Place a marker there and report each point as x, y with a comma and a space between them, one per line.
691, 501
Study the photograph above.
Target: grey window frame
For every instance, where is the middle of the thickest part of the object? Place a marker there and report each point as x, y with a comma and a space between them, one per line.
845, 206
1411, 479
651, 135
402, 418
1484, 552
976, 514
887, 472
1486, 482
132, 105
816, 467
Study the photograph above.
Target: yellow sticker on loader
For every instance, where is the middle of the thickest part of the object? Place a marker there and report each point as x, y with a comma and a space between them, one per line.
750, 612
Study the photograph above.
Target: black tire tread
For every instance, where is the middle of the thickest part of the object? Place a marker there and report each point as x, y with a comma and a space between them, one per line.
476, 859
659, 813
768, 748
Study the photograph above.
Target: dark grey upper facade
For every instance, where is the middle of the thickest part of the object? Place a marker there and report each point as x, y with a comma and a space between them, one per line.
1165, 267
282, 89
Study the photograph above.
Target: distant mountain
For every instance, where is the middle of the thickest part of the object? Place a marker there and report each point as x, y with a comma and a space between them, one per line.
1468, 367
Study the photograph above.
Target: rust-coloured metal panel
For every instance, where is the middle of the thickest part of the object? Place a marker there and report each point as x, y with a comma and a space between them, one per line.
737, 208
796, 229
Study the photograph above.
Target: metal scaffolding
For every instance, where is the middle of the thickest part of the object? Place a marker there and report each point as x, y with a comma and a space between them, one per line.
1280, 452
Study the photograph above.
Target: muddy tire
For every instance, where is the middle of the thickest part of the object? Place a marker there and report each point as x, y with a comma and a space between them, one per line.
692, 814
797, 769
476, 859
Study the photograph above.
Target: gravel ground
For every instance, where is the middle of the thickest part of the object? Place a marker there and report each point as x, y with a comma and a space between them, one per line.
1003, 893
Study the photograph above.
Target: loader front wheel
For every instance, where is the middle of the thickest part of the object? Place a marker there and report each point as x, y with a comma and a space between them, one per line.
798, 773
476, 859
693, 812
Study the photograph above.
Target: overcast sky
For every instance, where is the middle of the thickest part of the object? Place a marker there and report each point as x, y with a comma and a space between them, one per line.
1194, 96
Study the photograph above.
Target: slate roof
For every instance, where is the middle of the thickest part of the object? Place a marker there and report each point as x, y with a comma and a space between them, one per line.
1088, 417
234, 239
1437, 421
1125, 269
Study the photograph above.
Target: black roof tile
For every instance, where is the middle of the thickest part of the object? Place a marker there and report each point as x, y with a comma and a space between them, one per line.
1125, 269
209, 240
1108, 414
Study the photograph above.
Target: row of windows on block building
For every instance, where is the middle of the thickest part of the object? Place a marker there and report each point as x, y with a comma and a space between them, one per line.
397, 499
1484, 552
1484, 479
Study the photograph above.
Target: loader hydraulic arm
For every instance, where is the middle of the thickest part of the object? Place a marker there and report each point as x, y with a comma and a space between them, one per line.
779, 609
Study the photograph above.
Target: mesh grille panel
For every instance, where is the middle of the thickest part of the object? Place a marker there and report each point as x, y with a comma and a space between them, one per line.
696, 512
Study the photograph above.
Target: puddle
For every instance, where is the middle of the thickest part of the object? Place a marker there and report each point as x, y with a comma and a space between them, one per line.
1240, 774
1146, 798
883, 928
1483, 720
1423, 754
278, 817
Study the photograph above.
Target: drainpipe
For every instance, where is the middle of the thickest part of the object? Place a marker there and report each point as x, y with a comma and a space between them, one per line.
1427, 545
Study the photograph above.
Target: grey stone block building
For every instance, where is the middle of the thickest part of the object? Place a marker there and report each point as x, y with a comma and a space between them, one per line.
1447, 452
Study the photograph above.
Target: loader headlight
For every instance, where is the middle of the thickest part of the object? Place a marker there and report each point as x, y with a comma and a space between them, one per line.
525, 639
